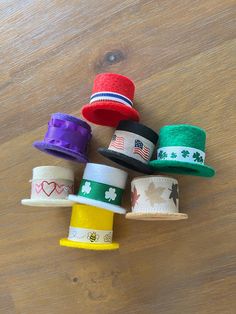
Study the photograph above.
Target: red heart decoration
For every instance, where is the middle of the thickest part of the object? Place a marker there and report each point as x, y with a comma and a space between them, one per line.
60, 188
38, 188
48, 187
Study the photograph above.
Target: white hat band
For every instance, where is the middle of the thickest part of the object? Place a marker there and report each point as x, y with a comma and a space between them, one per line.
90, 235
132, 145
51, 189
181, 153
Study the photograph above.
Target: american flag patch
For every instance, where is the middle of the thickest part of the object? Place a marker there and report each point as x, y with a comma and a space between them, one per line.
117, 142
141, 150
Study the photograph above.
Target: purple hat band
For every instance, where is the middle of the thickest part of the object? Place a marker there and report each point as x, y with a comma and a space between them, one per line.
67, 134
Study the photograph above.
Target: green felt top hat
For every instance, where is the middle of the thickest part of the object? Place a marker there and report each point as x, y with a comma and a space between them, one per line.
182, 150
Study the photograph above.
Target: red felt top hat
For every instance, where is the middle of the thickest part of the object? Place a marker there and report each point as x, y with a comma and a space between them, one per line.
111, 100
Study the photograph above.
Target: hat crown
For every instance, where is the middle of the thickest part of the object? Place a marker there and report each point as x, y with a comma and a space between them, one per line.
111, 82
52, 172
87, 216
138, 128
105, 174
182, 135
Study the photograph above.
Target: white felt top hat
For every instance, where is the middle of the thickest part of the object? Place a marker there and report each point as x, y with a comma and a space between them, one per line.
102, 186
50, 186
155, 198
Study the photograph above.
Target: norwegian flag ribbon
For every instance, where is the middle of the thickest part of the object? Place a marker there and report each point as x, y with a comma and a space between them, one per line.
100, 96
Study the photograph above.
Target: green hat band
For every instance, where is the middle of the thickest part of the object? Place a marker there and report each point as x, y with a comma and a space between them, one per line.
181, 153
100, 192
182, 135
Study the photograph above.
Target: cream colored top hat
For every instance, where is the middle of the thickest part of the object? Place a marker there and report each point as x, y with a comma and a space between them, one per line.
50, 186
102, 186
155, 198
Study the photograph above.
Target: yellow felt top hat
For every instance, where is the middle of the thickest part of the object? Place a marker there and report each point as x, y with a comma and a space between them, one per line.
91, 228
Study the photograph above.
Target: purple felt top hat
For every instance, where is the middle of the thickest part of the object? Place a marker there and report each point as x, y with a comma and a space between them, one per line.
67, 137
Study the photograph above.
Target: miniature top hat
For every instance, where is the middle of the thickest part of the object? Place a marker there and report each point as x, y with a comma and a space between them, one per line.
182, 150
155, 198
102, 186
111, 100
67, 137
132, 146
50, 186
91, 228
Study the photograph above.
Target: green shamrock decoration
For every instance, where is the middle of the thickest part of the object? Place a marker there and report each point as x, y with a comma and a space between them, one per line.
197, 157
162, 155
185, 153
173, 155
86, 188
201, 159
110, 194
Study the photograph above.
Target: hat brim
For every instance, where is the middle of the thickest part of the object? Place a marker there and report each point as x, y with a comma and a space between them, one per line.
89, 246
126, 161
180, 167
156, 216
47, 203
100, 204
108, 113
60, 152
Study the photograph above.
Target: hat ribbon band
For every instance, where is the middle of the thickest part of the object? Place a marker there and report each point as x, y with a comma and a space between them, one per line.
90, 235
74, 140
154, 194
51, 188
181, 153
100, 192
69, 125
132, 145
101, 96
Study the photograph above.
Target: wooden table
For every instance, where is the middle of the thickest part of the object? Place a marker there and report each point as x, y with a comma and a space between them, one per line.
181, 55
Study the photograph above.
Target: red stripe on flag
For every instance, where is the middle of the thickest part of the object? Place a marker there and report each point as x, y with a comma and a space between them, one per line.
118, 142
144, 153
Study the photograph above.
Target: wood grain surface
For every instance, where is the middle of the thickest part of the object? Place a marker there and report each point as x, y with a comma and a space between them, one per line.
182, 57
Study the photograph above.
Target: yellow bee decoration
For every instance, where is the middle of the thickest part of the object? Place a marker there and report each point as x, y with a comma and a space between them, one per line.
93, 236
